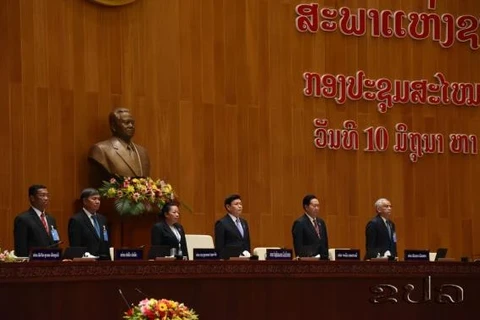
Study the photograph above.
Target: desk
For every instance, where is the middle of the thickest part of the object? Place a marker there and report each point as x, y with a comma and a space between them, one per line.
239, 290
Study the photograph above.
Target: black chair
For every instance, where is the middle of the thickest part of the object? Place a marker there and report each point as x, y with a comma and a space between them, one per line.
441, 253
159, 251
231, 251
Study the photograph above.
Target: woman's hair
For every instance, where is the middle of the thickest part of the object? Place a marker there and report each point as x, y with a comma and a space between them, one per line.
165, 209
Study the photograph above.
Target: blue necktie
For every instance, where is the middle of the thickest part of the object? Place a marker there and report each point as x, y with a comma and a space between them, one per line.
239, 226
95, 223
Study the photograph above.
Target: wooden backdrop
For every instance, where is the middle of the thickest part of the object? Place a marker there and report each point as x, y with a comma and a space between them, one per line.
216, 89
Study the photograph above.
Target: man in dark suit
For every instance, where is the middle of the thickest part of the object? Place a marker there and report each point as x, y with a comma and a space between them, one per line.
35, 228
119, 155
380, 232
87, 228
168, 232
231, 230
309, 232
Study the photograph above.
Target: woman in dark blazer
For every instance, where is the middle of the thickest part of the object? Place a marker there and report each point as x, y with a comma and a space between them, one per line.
168, 232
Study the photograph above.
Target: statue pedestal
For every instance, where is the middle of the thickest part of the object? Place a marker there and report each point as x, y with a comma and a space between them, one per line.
128, 231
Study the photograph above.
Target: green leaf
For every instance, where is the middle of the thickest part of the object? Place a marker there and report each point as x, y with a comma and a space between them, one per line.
123, 206
137, 209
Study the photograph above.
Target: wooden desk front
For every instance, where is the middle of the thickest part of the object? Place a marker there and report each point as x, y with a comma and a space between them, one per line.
239, 290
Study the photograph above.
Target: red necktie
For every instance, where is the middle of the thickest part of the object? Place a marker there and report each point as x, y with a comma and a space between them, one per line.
317, 228
44, 221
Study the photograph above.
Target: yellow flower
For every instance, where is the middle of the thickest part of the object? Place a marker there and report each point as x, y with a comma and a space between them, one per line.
135, 180
130, 189
167, 188
111, 192
162, 306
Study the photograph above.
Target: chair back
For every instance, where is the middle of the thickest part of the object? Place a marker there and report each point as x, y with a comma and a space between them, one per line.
198, 241
331, 253
262, 251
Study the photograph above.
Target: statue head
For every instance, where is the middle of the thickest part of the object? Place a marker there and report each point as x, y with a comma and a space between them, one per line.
122, 124
118, 155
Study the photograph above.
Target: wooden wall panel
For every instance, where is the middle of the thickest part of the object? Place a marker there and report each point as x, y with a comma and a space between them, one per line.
216, 89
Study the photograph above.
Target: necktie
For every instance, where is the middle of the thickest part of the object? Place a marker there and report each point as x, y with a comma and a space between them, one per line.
95, 223
389, 229
317, 228
239, 226
44, 221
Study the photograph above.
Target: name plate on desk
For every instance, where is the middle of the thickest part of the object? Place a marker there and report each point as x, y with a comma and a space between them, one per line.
128, 254
49, 254
279, 254
347, 254
417, 255
204, 254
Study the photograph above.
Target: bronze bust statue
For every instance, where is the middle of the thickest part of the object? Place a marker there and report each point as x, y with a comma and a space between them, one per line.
119, 155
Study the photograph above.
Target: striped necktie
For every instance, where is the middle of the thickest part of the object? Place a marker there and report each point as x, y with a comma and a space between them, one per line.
317, 228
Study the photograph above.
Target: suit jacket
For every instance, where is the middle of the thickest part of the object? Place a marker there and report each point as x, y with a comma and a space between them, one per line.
305, 239
29, 232
378, 238
114, 157
81, 233
228, 235
162, 235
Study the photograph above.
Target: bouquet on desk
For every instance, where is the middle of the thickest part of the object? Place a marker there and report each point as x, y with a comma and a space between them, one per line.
160, 309
134, 196
7, 256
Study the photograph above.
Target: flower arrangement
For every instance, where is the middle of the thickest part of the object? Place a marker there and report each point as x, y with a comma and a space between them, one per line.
151, 309
134, 196
7, 256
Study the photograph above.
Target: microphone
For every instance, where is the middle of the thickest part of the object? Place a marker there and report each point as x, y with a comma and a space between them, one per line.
54, 245
141, 292
124, 299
